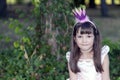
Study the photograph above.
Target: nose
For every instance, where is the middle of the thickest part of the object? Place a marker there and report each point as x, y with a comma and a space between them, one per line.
84, 40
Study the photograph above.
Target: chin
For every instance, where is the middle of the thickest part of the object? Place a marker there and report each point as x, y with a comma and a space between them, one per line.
86, 48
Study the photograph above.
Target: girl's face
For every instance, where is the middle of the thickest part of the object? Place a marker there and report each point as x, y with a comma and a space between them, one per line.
84, 41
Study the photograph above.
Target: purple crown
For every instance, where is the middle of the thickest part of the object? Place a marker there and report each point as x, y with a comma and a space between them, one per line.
80, 16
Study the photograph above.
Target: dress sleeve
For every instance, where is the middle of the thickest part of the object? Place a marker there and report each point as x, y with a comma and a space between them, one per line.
104, 52
68, 56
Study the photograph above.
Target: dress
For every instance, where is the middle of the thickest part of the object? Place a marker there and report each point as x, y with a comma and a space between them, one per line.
87, 67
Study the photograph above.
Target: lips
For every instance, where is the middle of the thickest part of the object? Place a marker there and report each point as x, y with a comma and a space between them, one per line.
84, 44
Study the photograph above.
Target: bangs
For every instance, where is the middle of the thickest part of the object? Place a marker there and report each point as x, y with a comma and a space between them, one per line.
86, 30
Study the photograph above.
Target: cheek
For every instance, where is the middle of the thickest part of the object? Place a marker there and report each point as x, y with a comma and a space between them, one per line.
92, 41
78, 41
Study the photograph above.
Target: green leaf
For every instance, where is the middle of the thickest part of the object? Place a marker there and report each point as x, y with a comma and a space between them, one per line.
16, 44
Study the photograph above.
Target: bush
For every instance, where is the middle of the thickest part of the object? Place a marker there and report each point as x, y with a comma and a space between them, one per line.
19, 64
114, 57
34, 57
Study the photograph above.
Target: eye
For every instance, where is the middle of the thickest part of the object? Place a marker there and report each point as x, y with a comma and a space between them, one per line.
89, 36
79, 36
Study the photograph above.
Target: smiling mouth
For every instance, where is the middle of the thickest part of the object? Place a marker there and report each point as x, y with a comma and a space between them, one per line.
84, 44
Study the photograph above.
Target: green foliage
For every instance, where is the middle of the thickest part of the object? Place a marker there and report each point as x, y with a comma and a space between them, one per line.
53, 19
114, 59
32, 57
18, 64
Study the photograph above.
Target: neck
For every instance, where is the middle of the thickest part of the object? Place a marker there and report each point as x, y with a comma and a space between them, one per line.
87, 54
86, 51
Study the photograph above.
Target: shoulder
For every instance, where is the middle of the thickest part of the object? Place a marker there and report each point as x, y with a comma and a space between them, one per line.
104, 51
68, 55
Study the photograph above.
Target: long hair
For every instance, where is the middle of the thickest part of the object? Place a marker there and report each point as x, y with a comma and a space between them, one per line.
86, 28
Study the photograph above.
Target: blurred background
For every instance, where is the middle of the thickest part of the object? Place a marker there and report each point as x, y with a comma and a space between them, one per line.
36, 34
105, 13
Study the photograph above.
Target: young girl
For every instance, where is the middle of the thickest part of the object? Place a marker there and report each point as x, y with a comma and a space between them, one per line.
87, 60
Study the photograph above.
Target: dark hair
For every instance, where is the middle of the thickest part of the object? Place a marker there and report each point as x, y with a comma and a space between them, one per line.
86, 28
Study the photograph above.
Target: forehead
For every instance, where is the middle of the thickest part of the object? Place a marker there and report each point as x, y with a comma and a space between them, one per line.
83, 30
